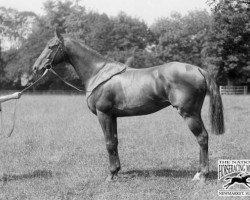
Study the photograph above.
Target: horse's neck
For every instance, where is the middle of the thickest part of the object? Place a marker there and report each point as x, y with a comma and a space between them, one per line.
86, 62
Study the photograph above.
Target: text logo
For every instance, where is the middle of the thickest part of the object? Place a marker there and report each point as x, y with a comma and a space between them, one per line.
235, 175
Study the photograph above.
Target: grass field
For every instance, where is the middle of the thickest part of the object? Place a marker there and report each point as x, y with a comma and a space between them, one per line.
57, 151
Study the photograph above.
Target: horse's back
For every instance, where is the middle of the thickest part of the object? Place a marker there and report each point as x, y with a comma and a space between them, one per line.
176, 75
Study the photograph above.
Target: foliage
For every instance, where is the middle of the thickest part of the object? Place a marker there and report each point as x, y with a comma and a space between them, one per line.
218, 42
136, 58
181, 38
228, 43
15, 26
2, 75
129, 33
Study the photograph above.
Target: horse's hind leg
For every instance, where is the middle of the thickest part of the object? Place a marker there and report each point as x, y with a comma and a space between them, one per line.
196, 125
247, 184
109, 127
190, 110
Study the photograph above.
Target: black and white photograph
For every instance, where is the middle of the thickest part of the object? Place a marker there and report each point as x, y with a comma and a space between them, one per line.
124, 99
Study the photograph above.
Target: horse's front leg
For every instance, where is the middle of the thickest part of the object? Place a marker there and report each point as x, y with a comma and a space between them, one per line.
227, 185
109, 127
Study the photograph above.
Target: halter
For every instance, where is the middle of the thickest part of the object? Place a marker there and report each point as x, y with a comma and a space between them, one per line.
60, 46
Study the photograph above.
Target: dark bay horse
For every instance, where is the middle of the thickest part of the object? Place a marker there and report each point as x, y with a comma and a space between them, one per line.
115, 90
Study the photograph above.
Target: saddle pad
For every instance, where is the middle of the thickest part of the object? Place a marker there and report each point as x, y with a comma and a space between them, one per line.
106, 73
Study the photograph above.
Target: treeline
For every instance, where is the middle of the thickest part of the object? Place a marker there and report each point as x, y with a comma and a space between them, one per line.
218, 41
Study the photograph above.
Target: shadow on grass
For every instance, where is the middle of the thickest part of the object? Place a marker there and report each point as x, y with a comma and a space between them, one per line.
167, 173
35, 174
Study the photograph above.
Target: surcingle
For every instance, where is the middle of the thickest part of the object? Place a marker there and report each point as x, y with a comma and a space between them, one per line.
106, 73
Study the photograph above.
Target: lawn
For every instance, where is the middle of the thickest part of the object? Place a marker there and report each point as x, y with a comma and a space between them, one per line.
57, 151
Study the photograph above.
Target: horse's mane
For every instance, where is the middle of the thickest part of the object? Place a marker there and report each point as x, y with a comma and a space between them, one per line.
94, 52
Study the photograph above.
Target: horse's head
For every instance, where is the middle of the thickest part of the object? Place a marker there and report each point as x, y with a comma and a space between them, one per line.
53, 53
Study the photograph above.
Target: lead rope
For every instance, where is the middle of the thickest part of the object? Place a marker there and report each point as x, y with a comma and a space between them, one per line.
66, 82
15, 108
69, 84
13, 121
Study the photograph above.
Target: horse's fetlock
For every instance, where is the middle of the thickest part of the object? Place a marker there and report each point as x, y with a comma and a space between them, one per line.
111, 146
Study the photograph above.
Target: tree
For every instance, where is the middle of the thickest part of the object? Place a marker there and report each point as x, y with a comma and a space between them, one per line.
15, 26
228, 47
128, 39
42, 30
57, 13
1, 66
181, 38
129, 33
107, 35
93, 28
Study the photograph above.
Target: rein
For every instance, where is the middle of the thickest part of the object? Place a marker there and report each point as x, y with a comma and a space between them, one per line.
15, 107
66, 82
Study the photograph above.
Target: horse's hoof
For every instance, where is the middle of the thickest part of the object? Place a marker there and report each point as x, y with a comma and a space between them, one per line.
111, 178
199, 177
196, 176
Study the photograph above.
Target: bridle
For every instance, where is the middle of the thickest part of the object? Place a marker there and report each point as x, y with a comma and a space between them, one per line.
49, 66
59, 47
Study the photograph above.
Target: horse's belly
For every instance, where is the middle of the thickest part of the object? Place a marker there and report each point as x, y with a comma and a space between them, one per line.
140, 96
140, 110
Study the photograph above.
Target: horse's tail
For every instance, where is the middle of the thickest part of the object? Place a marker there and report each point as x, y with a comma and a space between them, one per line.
216, 106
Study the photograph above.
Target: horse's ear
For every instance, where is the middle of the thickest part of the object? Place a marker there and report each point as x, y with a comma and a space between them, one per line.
58, 35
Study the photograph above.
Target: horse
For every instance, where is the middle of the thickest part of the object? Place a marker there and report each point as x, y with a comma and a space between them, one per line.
115, 90
241, 179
